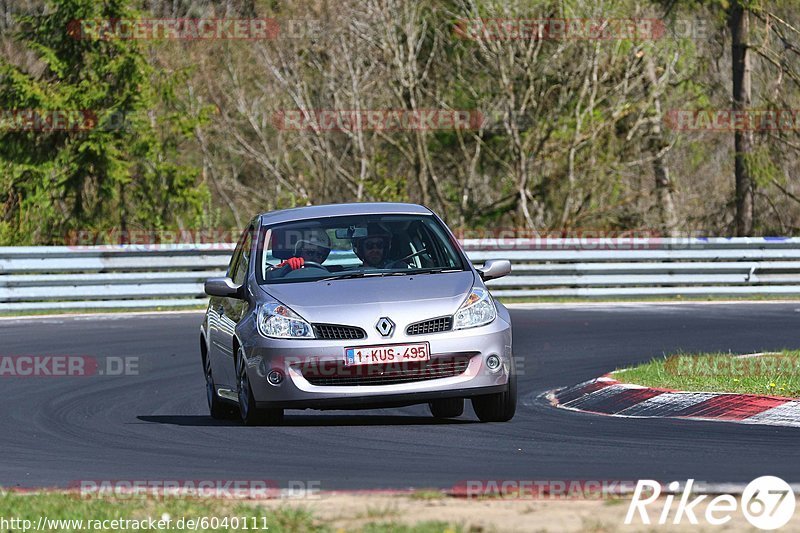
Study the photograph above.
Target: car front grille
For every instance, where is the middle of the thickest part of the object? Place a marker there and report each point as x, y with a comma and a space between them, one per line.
333, 375
338, 332
434, 325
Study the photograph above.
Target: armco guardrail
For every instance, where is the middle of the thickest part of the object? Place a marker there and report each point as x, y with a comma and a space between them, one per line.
40, 278
98, 277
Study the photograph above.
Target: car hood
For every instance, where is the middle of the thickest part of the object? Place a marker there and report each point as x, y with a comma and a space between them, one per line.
361, 301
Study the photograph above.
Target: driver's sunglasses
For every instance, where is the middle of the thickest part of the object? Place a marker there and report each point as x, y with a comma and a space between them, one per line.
374, 245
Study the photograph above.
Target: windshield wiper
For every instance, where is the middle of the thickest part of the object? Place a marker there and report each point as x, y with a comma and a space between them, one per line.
437, 270
349, 275
366, 275
361, 274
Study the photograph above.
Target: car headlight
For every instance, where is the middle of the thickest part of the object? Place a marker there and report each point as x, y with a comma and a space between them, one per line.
278, 321
477, 310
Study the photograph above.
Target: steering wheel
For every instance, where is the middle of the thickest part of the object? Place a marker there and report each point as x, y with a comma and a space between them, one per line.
299, 271
409, 256
314, 264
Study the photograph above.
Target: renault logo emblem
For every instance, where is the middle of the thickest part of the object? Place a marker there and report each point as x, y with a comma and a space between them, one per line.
385, 326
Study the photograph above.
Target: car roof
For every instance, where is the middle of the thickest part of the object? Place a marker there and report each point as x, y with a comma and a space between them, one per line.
335, 210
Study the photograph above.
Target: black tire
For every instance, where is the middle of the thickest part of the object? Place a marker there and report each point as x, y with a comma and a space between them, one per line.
499, 407
248, 412
217, 407
447, 407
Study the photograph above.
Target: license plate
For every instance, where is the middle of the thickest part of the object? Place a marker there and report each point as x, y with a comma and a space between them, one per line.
391, 353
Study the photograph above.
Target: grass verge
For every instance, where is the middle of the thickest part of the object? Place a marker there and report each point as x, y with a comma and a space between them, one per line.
775, 374
348, 512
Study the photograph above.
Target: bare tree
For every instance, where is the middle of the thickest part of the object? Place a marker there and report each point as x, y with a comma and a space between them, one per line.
739, 24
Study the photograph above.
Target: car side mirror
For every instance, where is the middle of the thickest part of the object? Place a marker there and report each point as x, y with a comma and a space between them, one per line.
494, 268
223, 287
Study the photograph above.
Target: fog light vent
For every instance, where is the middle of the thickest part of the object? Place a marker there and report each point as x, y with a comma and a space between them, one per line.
275, 377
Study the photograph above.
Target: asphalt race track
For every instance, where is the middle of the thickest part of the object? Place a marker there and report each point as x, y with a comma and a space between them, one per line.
55, 431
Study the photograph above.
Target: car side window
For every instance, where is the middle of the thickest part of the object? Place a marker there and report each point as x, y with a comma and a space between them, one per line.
235, 256
243, 260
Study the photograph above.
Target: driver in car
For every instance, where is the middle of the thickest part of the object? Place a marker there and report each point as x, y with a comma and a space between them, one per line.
373, 249
314, 247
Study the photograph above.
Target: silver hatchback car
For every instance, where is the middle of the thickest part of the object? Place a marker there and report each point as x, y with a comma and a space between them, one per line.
353, 306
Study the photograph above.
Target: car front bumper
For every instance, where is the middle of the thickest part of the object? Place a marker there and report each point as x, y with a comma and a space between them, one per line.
292, 356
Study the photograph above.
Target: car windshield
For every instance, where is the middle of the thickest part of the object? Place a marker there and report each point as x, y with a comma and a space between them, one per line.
356, 246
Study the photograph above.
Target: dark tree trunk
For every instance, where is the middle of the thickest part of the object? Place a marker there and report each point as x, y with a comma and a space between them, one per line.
739, 24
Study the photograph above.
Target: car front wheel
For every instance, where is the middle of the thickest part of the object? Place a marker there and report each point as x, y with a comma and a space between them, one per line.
217, 408
250, 414
499, 407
